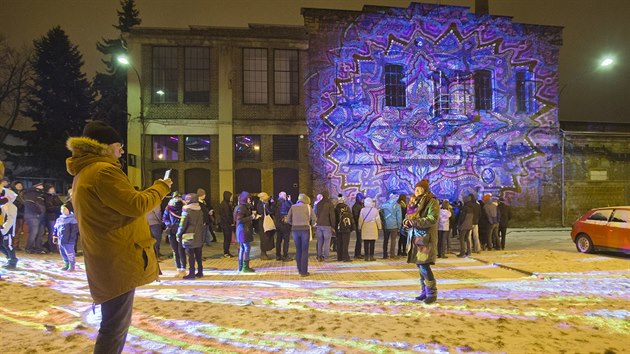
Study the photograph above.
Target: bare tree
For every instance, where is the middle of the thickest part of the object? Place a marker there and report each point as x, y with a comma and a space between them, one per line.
15, 75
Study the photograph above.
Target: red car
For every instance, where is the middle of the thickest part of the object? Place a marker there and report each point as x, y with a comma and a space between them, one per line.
603, 229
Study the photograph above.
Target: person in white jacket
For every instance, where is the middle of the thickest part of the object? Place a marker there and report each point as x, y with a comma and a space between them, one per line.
443, 229
369, 224
9, 215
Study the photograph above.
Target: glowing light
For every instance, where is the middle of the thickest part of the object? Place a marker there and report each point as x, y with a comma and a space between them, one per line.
123, 60
160, 156
607, 62
160, 92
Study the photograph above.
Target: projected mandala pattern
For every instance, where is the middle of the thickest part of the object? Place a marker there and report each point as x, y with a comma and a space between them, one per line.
360, 144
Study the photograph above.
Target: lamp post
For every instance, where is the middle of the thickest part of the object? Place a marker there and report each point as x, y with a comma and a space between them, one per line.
124, 60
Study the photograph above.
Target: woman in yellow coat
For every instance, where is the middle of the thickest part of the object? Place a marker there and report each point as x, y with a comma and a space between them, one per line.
117, 243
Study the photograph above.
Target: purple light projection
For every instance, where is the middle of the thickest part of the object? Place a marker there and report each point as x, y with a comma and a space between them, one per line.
359, 143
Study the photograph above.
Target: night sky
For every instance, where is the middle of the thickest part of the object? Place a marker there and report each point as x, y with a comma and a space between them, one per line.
593, 29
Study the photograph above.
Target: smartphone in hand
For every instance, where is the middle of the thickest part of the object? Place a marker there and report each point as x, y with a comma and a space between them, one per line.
167, 174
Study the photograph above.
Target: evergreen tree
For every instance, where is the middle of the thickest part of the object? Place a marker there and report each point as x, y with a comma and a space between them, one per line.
111, 86
59, 102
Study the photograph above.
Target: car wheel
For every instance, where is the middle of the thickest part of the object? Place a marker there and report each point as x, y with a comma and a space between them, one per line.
584, 244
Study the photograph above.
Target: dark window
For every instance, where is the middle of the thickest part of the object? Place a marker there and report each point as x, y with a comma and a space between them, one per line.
165, 84
286, 147
165, 147
286, 72
247, 148
254, 76
440, 93
197, 148
395, 88
483, 90
196, 75
525, 91
601, 215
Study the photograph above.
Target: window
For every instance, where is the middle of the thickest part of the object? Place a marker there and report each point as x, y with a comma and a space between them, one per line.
254, 76
621, 215
525, 91
165, 84
483, 90
285, 64
247, 148
165, 147
395, 88
286, 147
601, 215
197, 148
440, 93
196, 75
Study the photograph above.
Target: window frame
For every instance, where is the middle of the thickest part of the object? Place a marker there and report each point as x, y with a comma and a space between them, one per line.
154, 148
257, 158
264, 74
186, 158
483, 90
395, 87
170, 75
199, 76
293, 81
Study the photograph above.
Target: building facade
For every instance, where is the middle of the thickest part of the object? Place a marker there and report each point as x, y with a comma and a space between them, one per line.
394, 95
223, 108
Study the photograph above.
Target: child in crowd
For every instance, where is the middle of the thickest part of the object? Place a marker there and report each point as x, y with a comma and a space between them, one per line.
66, 232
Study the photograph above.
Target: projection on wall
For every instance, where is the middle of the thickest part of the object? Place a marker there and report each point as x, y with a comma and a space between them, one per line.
396, 95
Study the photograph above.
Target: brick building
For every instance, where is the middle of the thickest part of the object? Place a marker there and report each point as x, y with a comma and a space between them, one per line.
222, 107
467, 100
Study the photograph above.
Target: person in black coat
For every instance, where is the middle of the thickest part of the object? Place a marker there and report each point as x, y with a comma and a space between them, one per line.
356, 211
505, 214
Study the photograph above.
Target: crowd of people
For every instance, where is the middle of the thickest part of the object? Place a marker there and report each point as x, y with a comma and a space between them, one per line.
115, 215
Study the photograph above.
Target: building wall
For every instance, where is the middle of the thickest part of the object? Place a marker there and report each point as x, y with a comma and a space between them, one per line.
361, 144
597, 170
223, 116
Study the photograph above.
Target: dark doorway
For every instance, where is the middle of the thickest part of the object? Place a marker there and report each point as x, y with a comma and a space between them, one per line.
247, 179
286, 180
197, 178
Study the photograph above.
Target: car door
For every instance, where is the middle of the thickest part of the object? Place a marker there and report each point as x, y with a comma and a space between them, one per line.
596, 226
619, 230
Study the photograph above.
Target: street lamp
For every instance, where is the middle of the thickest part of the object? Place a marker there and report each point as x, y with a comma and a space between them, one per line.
124, 60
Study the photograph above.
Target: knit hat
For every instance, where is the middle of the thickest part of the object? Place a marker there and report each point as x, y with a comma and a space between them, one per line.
304, 198
201, 192
340, 198
101, 132
263, 196
486, 197
191, 198
369, 202
424, 184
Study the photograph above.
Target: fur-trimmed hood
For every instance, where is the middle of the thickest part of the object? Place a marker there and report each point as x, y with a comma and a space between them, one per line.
86, 151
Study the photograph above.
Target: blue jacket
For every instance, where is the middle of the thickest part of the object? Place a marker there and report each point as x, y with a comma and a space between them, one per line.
392, 214
243, 219
66, 229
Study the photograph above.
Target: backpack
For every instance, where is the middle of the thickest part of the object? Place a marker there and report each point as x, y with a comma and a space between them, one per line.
345, 220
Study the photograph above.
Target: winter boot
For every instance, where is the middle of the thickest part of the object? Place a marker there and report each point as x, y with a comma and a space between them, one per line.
246, 268
191, 274
423, 294
65, 266
431, 288
71, 267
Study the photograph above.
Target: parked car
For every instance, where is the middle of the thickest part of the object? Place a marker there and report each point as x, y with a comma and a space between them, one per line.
603, 229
